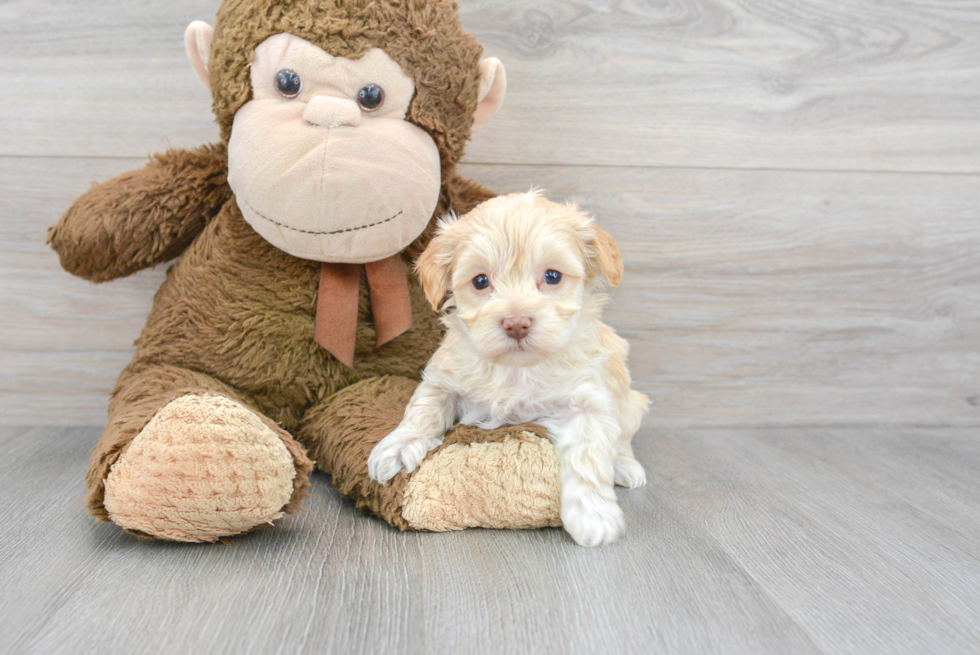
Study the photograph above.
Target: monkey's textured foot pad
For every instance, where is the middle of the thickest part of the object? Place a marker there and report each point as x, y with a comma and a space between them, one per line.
510, 483
502, 478
203, 468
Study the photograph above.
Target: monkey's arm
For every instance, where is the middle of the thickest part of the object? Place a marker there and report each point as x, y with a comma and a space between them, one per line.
144, 217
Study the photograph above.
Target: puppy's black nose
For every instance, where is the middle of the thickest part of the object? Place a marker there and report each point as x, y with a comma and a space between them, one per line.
516, 327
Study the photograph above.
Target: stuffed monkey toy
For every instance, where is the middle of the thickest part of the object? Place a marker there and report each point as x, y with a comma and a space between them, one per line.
291, 331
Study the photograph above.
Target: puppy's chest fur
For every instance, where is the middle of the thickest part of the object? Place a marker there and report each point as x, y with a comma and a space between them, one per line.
508, 397
489, 395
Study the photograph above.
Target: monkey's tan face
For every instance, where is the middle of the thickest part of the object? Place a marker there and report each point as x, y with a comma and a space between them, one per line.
322, 161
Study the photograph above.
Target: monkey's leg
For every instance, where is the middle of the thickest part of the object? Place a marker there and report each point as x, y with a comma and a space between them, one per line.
184, 458
503, 478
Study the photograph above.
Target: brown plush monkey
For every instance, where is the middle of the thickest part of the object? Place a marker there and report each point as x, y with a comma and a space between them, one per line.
289, 332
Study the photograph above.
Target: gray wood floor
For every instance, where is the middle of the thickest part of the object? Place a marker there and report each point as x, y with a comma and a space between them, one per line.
791, 540
796, 188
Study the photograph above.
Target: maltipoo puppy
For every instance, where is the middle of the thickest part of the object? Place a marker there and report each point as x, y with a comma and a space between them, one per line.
525, 343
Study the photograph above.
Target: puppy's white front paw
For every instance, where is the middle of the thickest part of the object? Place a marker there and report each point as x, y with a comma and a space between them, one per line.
629, 473
400, 450
592, 521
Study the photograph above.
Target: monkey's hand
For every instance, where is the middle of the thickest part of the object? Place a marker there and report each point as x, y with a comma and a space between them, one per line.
144, 217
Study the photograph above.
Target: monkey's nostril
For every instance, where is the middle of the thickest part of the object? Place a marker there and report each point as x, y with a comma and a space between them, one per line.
516, 327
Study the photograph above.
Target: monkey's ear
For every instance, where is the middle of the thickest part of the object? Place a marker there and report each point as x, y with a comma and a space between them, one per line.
493, 86
607, 256
197, 43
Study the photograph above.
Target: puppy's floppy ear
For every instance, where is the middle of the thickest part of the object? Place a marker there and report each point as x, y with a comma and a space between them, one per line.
434, 265
606, 255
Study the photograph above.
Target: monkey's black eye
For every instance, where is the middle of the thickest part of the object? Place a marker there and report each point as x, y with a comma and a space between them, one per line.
552, 277
288, 83
481, 282
371, 97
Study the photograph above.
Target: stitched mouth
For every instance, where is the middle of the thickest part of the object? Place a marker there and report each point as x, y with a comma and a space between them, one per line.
316, 233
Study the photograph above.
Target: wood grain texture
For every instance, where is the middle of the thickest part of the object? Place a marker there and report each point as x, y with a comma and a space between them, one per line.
750, 298
696, 83
746, 541
867, 538
333, 581
755, 295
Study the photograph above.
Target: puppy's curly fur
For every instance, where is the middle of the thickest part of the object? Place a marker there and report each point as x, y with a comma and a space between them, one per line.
525, 343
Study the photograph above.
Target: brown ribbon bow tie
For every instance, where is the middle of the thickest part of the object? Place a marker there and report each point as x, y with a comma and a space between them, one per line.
336, 305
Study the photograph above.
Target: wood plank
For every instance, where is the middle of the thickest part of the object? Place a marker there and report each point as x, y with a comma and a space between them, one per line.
331, 580
72, 85
866, 537
698, 83
648, 593
76, 315
70, 574
750, 298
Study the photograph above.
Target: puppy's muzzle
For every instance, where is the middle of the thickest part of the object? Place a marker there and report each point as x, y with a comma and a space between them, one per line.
516, 327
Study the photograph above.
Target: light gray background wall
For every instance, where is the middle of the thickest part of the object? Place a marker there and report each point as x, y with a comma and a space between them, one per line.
796, 188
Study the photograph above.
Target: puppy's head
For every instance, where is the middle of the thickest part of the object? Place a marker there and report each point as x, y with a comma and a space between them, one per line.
520, 268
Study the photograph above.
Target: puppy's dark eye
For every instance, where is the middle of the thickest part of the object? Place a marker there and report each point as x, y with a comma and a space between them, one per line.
481, 282
552, 277
370, 97
288, 83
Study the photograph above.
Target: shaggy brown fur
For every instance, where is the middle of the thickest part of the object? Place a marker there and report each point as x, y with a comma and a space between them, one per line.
363, 425
235, 316
145, 217
424, 37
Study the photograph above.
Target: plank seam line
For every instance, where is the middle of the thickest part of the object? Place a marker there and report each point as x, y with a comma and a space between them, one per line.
735, 562
760, 169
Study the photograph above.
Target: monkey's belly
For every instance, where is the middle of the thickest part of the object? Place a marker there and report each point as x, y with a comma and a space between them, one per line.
237, 308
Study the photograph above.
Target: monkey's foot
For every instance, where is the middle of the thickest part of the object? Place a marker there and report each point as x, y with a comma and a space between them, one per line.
203, 468
502, 478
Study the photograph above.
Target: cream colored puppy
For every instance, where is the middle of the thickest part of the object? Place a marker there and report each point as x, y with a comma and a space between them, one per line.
525, 343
